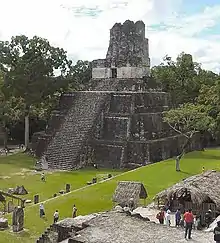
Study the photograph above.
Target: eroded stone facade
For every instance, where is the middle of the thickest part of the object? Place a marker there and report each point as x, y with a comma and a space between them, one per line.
117, 122
127, 55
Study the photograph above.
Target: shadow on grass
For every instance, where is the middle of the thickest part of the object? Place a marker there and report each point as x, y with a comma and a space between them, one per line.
186, 173
208, 154
203, 156
23, 233
18, 160
45, 218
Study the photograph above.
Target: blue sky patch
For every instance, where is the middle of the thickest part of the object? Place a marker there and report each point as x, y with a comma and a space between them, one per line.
214, 30
193, 6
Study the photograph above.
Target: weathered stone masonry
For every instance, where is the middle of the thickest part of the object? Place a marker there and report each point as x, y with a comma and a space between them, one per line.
118, 121
127, 55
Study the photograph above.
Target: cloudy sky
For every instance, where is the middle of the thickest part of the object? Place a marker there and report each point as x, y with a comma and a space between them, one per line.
82, 26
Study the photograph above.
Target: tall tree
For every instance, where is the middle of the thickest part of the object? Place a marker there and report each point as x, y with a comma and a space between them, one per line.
79, 75
29, 65
179, 78
188, 120
10, 110
209, 96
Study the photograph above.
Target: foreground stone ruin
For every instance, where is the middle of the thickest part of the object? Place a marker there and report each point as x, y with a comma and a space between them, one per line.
117, 227
117, 122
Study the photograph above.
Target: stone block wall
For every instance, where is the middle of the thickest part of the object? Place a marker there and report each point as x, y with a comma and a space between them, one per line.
128, 45
116, 127
118, 121
40, 141
65, 147
98, 73
122, 72
132, 131
128, 53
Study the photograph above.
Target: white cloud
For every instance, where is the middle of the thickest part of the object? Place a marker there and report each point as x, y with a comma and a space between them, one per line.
66, 23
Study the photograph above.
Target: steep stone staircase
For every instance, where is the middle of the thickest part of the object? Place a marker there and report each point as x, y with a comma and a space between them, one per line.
68, 138
63, 150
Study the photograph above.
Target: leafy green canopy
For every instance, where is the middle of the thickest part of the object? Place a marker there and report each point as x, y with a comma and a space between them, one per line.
29, 64
189, 119
182, 78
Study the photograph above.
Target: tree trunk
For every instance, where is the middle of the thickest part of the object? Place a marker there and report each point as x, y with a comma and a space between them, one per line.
178, 158
26, 136
177, 163
5, 136
5, 141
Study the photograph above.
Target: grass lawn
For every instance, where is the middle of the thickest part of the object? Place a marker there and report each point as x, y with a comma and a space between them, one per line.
18, 170
155, 177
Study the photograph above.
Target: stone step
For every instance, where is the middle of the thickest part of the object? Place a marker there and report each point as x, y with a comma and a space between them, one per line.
65, 146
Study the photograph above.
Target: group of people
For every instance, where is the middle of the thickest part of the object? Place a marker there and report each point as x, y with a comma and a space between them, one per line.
164, 217
56, 213
188, 220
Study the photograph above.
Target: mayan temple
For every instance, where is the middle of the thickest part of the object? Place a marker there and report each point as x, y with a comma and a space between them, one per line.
117, 122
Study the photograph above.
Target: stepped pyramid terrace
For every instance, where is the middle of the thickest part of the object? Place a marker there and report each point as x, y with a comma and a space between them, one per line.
117, 122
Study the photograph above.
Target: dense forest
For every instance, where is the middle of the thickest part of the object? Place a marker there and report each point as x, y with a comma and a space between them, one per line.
33, 75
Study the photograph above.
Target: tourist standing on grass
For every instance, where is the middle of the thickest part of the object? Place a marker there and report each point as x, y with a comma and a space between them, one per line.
168, 217
95, 166
55, 216
43, 178
42, 211
188, 218
160, 216
74, 210
178, 217
217, 233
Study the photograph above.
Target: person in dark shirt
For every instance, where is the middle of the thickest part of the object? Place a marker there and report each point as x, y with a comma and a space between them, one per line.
160, 216
217, 233
178, 217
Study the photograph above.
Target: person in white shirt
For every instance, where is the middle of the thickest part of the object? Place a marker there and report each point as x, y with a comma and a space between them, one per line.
74, 211
168, 218
55, 216
42, 212
126, 208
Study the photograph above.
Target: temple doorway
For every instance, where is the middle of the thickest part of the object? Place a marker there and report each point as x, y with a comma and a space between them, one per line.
114, 72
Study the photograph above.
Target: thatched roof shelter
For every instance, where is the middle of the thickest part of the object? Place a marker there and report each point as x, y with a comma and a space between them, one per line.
127, 190
201, 188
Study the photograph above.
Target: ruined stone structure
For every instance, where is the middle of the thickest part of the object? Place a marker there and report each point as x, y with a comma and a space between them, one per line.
118, 121
127, 55
113, 227
18, 219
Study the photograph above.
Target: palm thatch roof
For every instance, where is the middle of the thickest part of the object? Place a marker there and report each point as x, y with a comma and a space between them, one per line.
127, 190
203, 187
